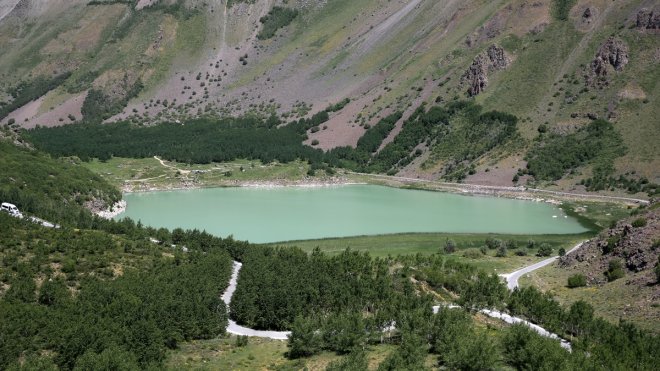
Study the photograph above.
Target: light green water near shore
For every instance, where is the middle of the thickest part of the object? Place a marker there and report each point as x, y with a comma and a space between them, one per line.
293, 213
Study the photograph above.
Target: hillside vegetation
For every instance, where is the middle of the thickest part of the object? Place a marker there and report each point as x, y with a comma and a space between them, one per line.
556, 65
57, 190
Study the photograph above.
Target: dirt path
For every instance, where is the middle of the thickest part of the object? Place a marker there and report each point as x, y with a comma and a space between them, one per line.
523, 191
184, 172
7, 7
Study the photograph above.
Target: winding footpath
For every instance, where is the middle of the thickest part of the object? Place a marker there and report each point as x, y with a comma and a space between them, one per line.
511, 279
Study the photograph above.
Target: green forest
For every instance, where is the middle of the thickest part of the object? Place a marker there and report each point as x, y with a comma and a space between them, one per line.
117, 295
351, 301
279, 17
224, 139
54, 189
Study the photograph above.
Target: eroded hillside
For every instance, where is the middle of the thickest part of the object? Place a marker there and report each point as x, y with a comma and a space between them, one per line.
555, 64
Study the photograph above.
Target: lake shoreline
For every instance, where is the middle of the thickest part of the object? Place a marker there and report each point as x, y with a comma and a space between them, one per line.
320, 211
518, 193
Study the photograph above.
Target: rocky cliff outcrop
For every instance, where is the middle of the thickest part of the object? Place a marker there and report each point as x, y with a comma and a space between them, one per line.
476, 76
612, 55
648, 19
633, 241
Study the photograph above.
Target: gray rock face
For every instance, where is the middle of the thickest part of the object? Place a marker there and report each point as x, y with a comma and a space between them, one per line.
648, 19
497, 58
476, 76
613, 54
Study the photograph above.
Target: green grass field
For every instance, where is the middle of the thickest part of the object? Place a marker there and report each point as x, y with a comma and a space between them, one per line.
468, 247
259, 354
149, 173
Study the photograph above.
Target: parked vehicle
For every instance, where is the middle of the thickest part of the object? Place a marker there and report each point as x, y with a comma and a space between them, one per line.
11, 209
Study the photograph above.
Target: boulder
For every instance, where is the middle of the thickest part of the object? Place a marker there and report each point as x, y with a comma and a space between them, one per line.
615, 52
648, 19
476, 76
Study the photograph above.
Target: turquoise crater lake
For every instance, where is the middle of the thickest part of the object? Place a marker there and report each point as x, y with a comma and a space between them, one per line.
293, 213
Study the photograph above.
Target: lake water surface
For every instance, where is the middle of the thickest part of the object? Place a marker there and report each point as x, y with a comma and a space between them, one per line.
293, 213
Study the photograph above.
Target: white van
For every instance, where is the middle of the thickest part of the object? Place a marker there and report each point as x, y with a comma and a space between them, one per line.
11, 209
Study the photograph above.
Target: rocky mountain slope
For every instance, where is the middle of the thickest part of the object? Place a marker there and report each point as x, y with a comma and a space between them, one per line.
618, 271
555, 64
634, 242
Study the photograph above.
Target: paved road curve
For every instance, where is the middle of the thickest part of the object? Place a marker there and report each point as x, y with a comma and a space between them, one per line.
513, 277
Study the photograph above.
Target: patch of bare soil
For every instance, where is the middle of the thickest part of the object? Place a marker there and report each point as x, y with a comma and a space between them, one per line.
63, 114
498, 174
25, 113
343, 129
141, 4
632, 91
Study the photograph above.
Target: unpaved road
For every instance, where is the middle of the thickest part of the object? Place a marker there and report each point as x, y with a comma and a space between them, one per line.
513, 277
6, 7
484, 189
514, 320
233, 327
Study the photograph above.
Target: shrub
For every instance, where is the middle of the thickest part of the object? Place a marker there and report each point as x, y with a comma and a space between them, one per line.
242, 341
493, 243
577, 280
472, 254
562, 8
501, 252
521, 253
450, 246
556, 155
562, 251
277, 18
639, 222
614, 271
611, 244
544, 250
531, 244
